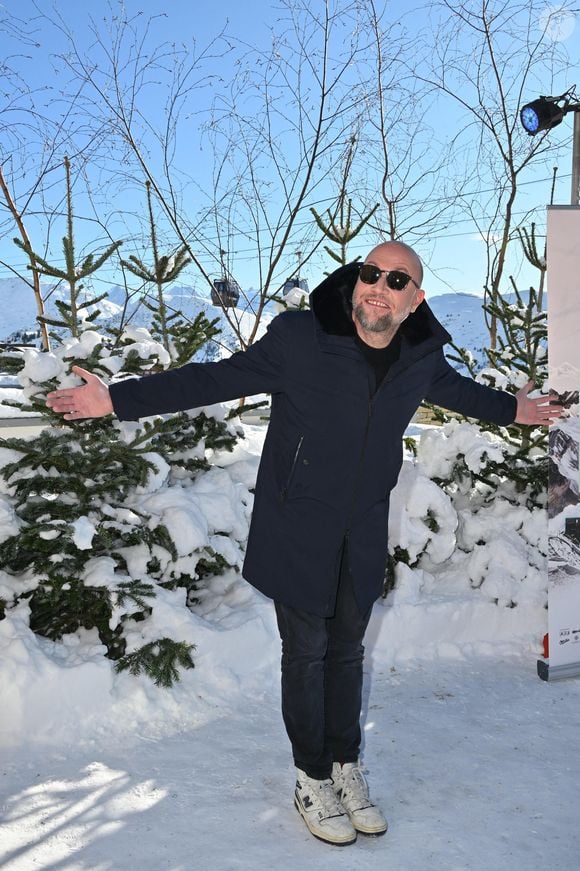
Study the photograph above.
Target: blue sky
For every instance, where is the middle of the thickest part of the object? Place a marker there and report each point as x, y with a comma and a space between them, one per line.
455, 257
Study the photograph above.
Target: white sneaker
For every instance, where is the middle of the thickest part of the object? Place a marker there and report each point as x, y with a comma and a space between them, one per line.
353, 793
317, 804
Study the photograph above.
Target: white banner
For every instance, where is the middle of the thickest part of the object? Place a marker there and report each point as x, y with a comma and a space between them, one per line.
564, 485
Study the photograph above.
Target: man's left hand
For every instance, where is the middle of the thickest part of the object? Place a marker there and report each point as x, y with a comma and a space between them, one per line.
540, 411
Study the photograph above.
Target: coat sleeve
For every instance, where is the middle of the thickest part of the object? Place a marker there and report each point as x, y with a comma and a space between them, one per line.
462, 394
259, 369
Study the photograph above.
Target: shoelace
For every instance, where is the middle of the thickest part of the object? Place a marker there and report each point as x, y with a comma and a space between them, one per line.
327, 800
357, 788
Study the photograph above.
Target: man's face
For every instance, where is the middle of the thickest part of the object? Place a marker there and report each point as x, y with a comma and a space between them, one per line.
376, 308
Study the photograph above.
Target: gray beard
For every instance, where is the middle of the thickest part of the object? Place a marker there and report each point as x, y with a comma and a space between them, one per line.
380, 325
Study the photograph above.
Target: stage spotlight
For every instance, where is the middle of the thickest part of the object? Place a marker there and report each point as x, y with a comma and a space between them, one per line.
541, 114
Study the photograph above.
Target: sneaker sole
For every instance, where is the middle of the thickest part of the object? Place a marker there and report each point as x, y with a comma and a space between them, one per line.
360, 828
376, 833
335, 843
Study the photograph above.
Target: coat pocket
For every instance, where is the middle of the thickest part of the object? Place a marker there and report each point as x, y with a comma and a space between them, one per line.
286, 487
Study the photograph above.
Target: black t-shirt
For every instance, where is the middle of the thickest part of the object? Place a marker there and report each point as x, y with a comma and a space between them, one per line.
381, 359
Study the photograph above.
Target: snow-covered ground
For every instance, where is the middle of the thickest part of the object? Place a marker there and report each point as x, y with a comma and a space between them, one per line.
473, 758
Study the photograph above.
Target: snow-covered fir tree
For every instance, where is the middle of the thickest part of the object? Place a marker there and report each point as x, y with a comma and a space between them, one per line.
487, 511
109, 527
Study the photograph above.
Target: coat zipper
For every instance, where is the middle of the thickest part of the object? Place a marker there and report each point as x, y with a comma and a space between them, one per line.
370, 409
359, 469
284, 491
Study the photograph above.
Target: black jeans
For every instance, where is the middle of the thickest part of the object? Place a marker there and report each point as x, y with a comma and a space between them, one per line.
322, 674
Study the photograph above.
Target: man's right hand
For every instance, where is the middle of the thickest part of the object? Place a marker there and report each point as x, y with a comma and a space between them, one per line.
91, 399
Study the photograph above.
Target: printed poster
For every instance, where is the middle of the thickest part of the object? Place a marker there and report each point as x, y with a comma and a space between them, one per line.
564, 476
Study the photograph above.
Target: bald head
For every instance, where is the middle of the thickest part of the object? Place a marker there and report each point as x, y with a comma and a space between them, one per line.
378, 309
409, 258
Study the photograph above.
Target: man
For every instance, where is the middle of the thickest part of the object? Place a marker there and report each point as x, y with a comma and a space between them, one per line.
346, 379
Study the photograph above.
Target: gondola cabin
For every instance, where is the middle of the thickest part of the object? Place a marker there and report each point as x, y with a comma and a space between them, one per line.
225, 292
295, 292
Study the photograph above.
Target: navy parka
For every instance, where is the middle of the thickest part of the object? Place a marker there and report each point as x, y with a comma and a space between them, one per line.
334, 446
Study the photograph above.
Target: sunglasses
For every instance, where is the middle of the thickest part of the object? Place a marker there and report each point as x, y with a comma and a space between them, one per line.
395, 278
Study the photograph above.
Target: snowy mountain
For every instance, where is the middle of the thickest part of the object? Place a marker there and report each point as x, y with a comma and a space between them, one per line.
18, 310
460, 313
464, 319
18, 306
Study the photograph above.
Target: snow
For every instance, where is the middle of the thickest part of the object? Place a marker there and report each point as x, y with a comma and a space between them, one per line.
8, 523
468, 751
471, 759
84, 532
40, 367
12, 395
413, 499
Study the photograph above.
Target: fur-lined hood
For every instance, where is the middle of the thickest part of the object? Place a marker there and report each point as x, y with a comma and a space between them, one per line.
331, 302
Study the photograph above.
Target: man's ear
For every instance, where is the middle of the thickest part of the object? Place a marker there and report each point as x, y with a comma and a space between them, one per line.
419, 297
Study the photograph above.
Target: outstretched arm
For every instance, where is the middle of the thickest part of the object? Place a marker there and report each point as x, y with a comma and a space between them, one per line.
462, 394
258, 369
